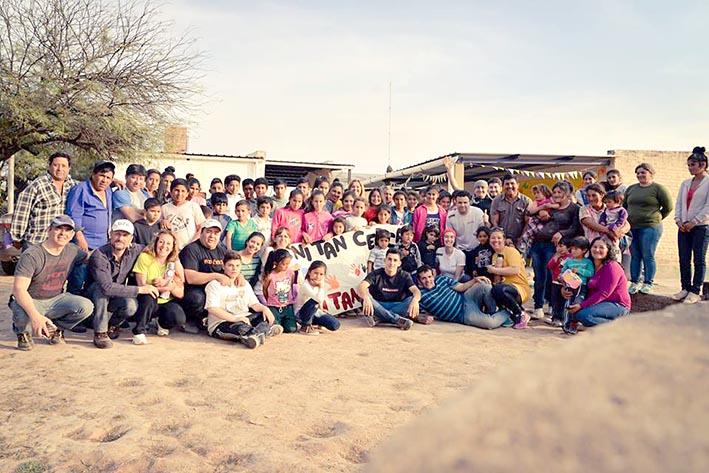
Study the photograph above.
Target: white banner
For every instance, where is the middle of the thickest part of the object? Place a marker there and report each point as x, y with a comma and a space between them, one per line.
346, 259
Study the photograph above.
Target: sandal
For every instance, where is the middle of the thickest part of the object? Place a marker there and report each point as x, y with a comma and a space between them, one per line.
308, 330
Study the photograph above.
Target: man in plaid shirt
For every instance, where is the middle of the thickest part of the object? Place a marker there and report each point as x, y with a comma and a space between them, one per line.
41, 201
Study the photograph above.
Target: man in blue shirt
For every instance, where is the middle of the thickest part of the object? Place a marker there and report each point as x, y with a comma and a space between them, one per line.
463, 303
128, 203
90, 204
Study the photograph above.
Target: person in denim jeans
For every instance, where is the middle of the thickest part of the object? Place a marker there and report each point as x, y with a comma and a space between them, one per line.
390, 296
563, 223
692, 219
648, 203
608, 296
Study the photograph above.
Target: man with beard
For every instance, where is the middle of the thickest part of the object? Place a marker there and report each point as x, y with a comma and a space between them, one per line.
109, 267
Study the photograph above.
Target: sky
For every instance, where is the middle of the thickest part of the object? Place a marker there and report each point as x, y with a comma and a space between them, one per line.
310, 80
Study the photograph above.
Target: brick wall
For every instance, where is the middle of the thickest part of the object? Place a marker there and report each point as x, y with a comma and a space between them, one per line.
670, 171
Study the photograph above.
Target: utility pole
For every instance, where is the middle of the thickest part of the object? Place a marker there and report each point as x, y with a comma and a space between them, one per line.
389, 168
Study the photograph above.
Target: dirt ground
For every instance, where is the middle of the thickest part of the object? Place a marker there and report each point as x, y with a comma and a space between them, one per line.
189, 403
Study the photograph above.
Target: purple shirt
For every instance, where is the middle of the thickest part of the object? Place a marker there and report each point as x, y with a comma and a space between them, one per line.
88, 212
608, 285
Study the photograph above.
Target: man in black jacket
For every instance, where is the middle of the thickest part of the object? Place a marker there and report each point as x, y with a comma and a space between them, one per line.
109, 268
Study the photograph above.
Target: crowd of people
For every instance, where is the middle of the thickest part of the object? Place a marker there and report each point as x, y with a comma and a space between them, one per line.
156, 253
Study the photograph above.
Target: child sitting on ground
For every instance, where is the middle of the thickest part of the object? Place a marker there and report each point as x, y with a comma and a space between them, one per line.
309, 302
234, 311
279, 289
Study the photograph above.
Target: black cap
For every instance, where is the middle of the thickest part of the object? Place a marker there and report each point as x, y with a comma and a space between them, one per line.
101, 166
136, 169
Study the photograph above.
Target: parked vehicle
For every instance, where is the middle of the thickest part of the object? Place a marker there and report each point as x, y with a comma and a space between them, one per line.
9, 255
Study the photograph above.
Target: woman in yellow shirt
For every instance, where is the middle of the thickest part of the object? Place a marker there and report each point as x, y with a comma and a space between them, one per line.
152, 268
511, 289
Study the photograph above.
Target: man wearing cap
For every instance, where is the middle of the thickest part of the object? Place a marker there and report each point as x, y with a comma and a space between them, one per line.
90, 204
41, 201
203, 262
128, 202
38, 298
109, 267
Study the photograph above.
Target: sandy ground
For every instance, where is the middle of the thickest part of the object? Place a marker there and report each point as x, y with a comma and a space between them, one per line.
627, 397
189, 403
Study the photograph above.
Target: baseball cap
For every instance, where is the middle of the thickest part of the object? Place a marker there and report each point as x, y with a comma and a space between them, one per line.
211, 223
104, 165
123, 225
138, 169
62, 221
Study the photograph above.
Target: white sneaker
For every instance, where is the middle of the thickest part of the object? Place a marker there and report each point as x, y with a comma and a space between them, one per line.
646, 288
692, 298
161, 332
633, 288
680, 295
538, 314
140, 339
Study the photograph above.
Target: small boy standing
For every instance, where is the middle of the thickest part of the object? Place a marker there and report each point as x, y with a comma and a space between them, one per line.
146, 228
234, 311
554, 266
220, 210
410, 255
377, 255
581, 267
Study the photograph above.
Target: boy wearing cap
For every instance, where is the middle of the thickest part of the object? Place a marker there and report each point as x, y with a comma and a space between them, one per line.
146, 228
38, 298
109, 268
128, 202
90, 205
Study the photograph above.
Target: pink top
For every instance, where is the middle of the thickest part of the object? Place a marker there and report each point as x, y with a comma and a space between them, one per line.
281, 289
690, 194
543, 201
317, 224
420, 221
608, 285
287, 217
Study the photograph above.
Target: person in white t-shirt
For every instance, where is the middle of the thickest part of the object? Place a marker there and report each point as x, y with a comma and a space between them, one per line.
184, 217
465, 219
234, 312
449, 259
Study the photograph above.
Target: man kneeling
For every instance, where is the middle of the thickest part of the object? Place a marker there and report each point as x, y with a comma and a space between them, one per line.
228, 308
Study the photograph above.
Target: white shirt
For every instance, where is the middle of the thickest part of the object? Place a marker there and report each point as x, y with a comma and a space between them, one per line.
233, 299
466, 226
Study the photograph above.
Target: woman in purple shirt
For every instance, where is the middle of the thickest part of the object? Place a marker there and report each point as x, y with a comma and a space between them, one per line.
608, 296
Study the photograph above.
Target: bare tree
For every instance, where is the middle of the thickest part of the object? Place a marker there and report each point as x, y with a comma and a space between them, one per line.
100, 78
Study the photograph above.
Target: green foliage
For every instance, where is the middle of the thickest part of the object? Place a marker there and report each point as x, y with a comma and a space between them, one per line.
31, 466
98, 79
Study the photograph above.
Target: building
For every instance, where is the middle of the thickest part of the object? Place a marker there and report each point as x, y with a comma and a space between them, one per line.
530, 169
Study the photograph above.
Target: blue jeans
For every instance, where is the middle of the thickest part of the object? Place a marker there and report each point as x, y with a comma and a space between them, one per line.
693, 243
107, 307
77, 278
308, 315
65, 310
474, 298
642, 252
600, 313
390, 312
541, 254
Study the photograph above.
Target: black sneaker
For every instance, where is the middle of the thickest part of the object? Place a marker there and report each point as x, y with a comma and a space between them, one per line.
404, 324
114, 332
571, 328
57, 338
25, 342
252, 341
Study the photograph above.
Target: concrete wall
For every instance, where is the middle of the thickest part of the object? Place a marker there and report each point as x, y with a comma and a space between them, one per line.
670, 171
